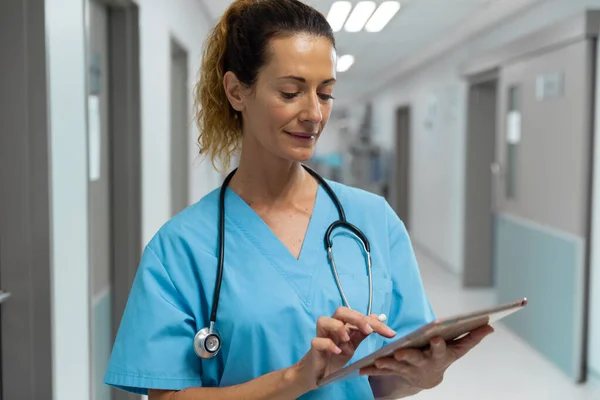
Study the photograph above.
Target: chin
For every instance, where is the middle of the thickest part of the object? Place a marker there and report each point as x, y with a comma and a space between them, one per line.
299, 155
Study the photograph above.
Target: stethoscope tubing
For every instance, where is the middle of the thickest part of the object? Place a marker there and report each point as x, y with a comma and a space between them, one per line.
341, 222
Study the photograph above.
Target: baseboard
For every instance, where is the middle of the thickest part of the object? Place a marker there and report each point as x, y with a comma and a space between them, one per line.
593, 379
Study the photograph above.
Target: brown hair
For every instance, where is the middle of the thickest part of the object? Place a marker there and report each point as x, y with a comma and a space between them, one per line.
239, 43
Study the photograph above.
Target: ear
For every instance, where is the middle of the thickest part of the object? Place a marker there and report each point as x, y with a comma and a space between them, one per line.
234, 91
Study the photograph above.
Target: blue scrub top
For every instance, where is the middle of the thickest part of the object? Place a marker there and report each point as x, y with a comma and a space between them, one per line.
270, 301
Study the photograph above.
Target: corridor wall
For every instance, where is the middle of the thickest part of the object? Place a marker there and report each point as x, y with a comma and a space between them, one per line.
187, 22
437, 93
438, 157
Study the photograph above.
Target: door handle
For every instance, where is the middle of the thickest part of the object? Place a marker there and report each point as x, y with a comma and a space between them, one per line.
4, 296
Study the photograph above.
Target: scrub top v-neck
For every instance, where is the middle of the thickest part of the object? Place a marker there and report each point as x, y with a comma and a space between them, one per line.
298, 272
270, 301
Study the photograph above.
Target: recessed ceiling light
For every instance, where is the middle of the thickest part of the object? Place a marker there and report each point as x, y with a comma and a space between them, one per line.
338, 13
345, 62
382, 16
360, 15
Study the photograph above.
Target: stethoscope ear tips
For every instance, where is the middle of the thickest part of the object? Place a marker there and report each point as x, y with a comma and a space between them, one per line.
382, 318
206, 343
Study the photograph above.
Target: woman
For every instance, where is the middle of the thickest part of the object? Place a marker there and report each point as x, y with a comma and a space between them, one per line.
267, 80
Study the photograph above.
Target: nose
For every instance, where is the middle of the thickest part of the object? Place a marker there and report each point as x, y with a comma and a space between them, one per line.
312, 110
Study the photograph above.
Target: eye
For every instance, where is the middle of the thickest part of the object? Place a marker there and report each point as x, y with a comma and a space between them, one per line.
326, 97
288, 96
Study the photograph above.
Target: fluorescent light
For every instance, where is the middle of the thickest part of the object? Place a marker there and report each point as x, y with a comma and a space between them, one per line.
338, 13
382, 16
345, 62
360, 15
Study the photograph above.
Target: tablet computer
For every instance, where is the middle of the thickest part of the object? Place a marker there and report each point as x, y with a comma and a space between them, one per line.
449, 328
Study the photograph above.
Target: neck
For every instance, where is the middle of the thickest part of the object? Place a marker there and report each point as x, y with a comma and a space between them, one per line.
267, 179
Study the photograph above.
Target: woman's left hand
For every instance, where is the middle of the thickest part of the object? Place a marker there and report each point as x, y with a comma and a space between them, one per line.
424, 369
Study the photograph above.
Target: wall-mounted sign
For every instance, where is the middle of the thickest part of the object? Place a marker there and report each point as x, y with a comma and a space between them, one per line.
549, 86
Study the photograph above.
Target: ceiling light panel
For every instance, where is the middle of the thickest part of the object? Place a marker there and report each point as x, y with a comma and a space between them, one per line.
359, 16
345, 62
338, 13
384, 14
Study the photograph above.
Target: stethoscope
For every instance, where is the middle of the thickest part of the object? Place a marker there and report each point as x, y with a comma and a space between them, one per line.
207, 341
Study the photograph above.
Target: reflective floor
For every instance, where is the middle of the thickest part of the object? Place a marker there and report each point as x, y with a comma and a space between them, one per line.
502, 367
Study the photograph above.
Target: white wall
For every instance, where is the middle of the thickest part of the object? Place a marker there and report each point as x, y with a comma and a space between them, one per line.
160, 20
70, 298
438, 152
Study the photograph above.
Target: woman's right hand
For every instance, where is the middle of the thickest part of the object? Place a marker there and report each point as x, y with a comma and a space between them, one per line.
336, 340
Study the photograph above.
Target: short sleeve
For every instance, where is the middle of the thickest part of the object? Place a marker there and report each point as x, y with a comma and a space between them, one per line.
410, 307
153, 348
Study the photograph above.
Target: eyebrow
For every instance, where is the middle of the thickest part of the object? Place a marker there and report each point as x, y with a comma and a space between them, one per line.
300, 79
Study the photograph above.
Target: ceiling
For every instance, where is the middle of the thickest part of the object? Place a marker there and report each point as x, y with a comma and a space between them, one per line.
420, 25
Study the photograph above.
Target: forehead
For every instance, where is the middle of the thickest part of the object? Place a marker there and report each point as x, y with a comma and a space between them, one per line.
307, 56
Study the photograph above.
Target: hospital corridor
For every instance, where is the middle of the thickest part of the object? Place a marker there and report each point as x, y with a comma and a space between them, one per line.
299, 199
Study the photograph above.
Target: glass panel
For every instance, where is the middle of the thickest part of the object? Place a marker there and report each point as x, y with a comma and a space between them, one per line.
513, 138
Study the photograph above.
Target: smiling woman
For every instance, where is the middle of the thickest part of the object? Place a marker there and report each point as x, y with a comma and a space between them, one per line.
296, 58
257, 244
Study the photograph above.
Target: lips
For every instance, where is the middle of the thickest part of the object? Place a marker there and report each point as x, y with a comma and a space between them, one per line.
302, 135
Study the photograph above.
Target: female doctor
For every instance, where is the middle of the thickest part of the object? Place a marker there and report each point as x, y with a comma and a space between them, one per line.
288, 313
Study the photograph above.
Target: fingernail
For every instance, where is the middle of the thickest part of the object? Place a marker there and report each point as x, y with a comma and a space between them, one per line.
346, 337
391, 331
337, 350
368, 329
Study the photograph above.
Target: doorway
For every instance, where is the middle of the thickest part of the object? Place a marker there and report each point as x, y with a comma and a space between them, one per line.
480, 155
114, 181
402, 184
179, 128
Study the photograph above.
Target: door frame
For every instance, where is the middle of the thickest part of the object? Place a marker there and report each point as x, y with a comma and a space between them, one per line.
25, 208
125, 158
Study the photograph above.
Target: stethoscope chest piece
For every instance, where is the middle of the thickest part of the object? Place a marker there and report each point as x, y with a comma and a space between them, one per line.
206, 343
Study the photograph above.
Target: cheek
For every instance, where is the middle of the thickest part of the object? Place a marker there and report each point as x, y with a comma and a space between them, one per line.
282, 115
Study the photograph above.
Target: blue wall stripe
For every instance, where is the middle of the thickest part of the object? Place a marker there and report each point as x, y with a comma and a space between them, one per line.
547, 267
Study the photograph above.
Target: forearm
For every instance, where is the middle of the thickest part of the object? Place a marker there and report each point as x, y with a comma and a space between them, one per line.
391, 387
279, 385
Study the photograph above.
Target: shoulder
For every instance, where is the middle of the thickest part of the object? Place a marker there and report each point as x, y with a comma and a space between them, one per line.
196, 226
354, 197
370, 209
360, 201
